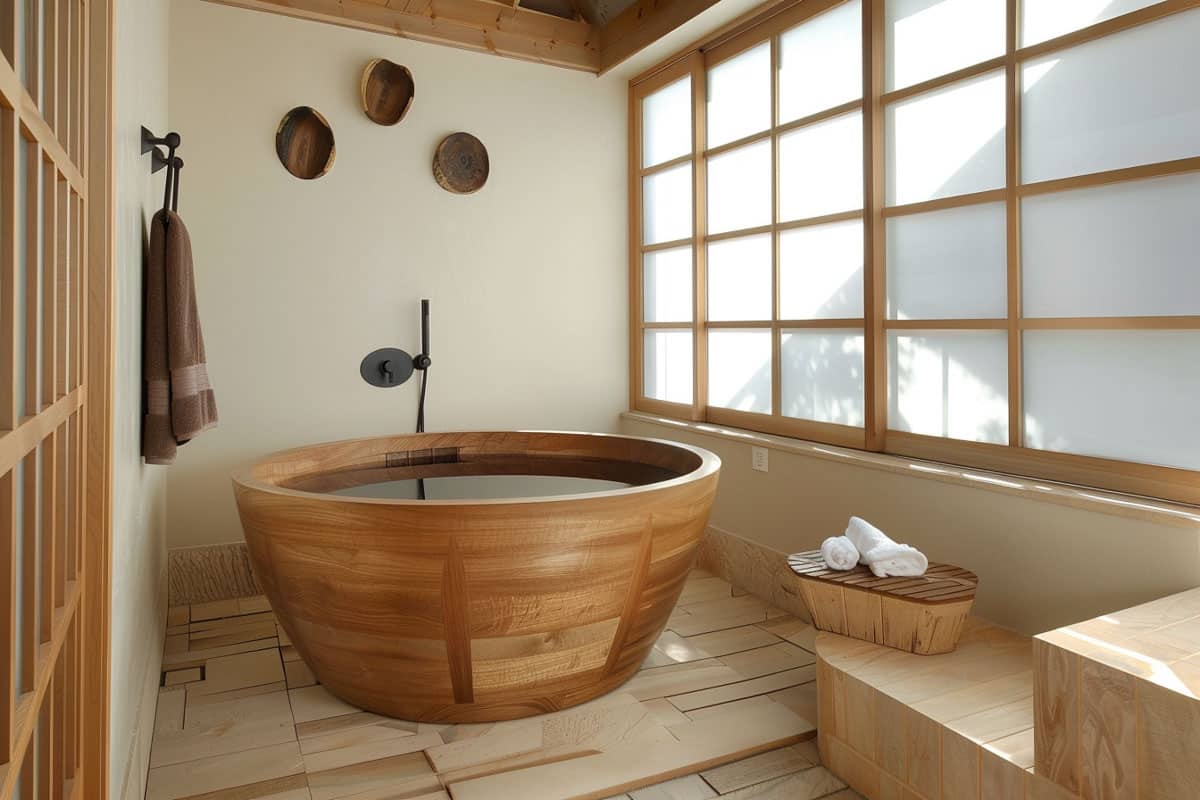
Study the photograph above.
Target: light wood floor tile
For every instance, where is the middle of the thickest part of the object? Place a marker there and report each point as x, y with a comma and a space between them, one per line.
662, 712
195, 658
733, 640
348, 722
665, 681
399, 776
811, 783
176, 644
315, 702
223, 771
169, 714
700, 590
1016, 749
250, 605
371, 750
214, 610
801, 699
757, 769
742, 689
765, 660
229, 635
505, 740
221, 728
689, 787
298, 674
356, 735
178, 615
240, 671
196, 699
796, 631
178, 677
717, 615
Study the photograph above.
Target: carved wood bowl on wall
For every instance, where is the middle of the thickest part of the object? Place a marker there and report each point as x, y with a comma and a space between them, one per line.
460, 164
304, 143
387, 91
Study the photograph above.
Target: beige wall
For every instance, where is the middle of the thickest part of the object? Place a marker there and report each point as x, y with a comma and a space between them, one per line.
298, 280
1041, 564
139, 492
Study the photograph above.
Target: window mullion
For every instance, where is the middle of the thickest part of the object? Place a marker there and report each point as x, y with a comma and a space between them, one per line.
699, 229
874, 250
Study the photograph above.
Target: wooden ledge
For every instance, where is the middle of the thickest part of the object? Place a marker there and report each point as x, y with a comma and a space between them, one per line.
958, 725
1118, 700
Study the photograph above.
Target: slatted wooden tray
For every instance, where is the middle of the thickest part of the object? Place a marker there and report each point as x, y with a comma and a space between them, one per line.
922, 615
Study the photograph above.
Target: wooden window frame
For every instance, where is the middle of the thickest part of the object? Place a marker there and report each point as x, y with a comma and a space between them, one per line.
767, 23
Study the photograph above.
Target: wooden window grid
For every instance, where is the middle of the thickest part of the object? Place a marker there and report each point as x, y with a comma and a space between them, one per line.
766, 24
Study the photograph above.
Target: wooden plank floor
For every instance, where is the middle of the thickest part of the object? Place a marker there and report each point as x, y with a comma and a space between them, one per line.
725, 706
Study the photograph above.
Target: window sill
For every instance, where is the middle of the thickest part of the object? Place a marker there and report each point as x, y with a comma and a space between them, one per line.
1095, 500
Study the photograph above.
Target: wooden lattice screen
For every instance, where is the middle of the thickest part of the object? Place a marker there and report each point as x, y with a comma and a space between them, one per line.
43, 307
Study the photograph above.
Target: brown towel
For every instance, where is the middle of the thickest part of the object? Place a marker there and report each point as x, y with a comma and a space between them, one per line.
179, 400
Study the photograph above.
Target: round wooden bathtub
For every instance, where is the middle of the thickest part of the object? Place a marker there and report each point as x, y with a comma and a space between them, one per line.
475, 610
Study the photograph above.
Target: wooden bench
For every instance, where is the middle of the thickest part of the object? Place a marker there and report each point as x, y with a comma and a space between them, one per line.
950, 727
922, 614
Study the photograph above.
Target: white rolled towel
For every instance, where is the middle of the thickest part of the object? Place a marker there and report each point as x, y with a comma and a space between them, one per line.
884, 556
839, 553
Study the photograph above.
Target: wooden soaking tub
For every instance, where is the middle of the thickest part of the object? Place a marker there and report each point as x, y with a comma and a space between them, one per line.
466, 610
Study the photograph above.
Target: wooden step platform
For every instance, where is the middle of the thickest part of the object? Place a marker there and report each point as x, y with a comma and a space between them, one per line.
921, 614
1118, 698
950, 727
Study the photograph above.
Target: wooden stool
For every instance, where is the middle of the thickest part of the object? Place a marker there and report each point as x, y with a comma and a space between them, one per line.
922, 615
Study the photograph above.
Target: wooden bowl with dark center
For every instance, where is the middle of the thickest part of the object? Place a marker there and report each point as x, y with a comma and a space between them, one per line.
304, 143
387, 91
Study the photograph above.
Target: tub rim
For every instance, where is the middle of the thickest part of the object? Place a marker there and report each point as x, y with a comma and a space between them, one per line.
244, 476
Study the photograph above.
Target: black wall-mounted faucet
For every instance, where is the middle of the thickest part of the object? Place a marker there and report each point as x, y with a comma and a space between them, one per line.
389, 367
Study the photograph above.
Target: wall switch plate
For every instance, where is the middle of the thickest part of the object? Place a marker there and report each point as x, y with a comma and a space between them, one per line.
758, 458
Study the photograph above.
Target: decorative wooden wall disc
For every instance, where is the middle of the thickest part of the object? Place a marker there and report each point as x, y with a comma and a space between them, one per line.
387, 91
460, 164
304, 143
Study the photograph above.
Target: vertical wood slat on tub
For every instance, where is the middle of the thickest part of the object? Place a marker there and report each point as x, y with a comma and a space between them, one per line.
456, 606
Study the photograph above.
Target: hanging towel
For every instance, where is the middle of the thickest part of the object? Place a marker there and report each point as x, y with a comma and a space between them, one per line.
884, 556
839, 553
179, 400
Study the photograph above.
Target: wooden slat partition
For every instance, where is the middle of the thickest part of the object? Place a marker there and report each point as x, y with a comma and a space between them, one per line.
46, 448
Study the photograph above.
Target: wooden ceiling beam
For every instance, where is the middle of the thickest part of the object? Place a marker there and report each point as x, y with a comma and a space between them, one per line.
642, 24
479, 25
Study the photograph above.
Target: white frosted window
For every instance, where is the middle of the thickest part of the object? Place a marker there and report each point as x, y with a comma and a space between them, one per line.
822, 376
821, 169
948, 264
1121, 101
739, 188
667, 123
1045, 19
1128, 395
667, 365
928, 38
739, 278
1125, 249
820, 62
667, 285
739, 96
947, 142
667, 205
949, 383
739, 370
821, 271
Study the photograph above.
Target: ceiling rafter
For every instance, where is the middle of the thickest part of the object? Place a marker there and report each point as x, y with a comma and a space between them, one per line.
589, 35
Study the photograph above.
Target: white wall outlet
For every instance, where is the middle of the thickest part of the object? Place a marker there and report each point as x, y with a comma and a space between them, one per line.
758, 458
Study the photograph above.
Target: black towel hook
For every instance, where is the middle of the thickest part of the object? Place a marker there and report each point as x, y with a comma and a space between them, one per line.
152, 144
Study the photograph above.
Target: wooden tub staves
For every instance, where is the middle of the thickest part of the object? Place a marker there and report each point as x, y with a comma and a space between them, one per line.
922, 615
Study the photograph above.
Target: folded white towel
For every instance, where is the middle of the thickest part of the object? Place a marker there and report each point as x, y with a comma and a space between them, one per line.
884, 556
839, 553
